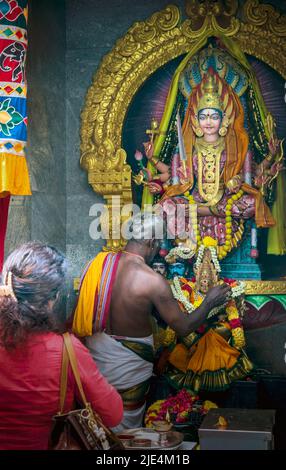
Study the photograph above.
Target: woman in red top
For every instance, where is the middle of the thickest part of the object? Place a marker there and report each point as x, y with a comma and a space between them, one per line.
31, 352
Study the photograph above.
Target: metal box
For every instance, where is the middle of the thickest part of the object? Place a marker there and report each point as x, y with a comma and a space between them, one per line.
245, 430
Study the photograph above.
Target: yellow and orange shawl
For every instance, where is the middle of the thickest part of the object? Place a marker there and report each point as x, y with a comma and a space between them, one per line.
94, 298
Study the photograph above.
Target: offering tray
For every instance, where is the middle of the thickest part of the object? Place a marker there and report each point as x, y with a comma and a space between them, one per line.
145, 438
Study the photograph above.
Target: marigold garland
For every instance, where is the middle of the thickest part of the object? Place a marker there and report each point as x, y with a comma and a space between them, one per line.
230, 241
235, 324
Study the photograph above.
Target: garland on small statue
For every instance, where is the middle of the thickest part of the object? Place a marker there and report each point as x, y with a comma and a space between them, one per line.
188, 290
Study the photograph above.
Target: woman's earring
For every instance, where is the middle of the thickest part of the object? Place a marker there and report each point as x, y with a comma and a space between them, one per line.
222, 132
198, 131
224, 125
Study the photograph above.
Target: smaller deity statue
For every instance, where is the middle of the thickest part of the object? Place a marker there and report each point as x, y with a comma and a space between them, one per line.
177, 269
159, 267
212, 357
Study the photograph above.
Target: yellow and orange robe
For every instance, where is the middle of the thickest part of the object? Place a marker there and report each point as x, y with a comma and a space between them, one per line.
205, 360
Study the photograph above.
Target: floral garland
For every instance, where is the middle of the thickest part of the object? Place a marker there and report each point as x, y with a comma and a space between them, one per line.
231, 309
211, 244
177, 408
237, 289
228, 226
179, 252
185, 295
230, 241
235, 325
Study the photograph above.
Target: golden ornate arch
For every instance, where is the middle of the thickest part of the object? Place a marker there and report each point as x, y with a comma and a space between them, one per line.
259, 30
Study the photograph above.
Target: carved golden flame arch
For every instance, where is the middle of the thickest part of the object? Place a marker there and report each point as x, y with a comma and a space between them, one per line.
259, 30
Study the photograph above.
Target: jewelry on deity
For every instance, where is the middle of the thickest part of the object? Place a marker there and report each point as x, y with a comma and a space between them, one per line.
209, 155
198, 131
222, 131
211, 244
269, 157
154, 160
210, 97
233, 182
224, 126
133, 254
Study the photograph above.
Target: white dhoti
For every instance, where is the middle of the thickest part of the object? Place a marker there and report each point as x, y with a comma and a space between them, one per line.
122, 368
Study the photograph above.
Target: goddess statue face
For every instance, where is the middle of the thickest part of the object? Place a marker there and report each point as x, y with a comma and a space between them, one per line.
210, 121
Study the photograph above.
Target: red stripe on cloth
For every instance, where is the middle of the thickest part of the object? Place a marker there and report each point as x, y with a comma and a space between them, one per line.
108, 300
4, 209
100, 312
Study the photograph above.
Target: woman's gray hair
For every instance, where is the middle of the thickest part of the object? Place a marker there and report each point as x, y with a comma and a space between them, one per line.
37, 273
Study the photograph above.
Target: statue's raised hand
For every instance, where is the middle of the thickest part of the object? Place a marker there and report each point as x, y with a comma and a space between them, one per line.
184, 174
234, 184
149, 149
154, 188
274, 145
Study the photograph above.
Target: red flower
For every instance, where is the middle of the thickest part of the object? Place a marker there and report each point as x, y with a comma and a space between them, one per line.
201, 329
187, 288
231, 282
236, 323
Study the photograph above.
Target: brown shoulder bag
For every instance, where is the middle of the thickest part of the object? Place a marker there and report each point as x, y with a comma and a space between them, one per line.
80, 429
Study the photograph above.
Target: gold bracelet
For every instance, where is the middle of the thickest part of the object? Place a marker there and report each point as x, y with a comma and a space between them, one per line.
233, 182
154, 160
269, 157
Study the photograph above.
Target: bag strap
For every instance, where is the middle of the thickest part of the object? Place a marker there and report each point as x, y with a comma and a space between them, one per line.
69, 356
64, 379
73, 362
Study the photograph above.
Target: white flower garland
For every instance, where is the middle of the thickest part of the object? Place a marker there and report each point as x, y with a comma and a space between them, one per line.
236, 291
213, 255
178, 295
180, 252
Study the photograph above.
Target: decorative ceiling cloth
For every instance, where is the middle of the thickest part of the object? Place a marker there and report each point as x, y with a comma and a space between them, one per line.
14, 176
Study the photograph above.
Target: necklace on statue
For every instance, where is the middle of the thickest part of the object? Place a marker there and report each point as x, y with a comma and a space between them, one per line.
133, 254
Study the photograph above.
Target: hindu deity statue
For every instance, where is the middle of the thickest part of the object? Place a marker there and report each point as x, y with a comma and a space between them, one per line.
203, 156
212, 166
212, 357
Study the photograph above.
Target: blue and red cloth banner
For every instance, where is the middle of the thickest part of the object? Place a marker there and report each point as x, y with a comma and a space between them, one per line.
14, 176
